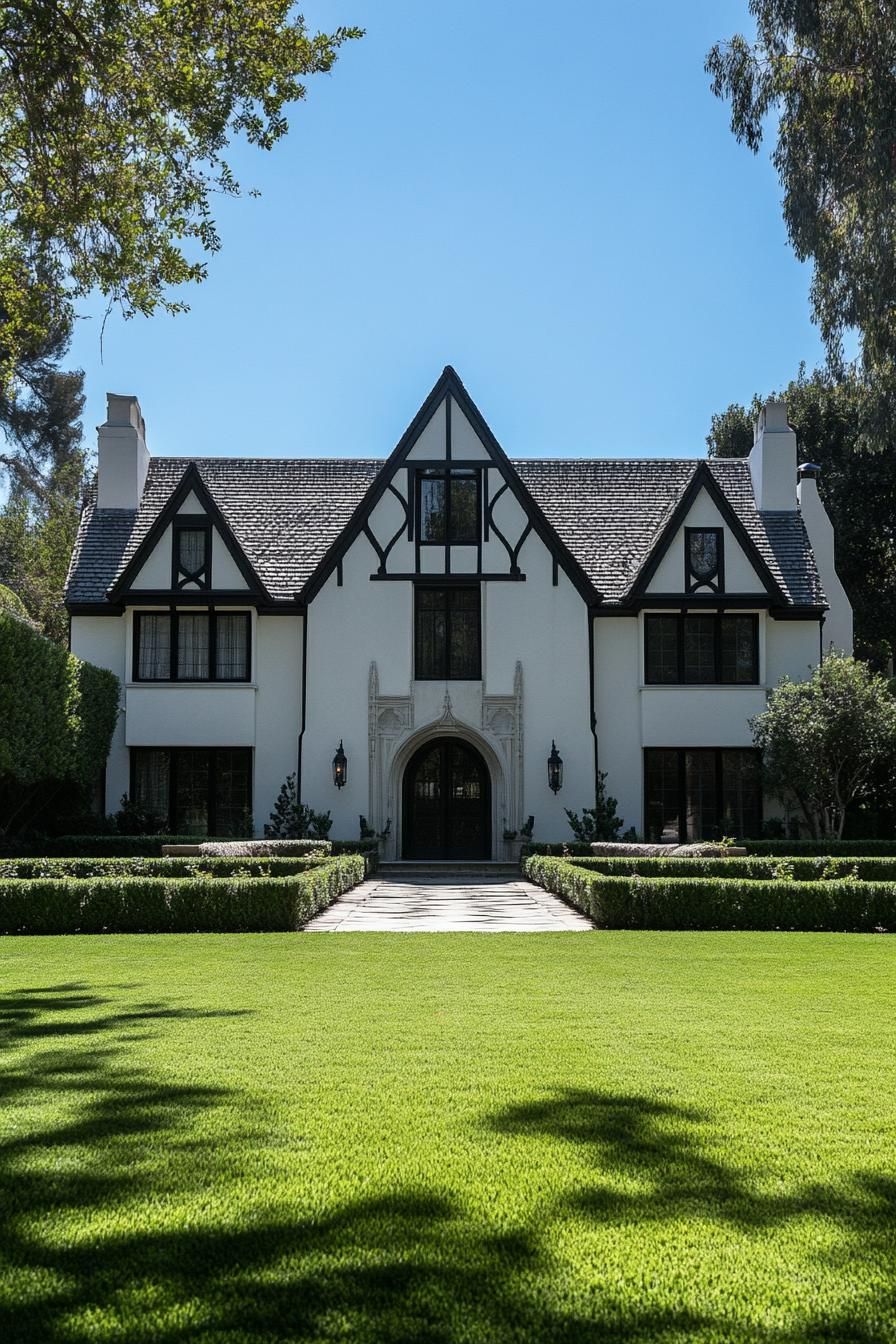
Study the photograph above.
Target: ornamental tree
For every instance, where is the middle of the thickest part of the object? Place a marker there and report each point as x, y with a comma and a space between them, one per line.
114, 122
824, 740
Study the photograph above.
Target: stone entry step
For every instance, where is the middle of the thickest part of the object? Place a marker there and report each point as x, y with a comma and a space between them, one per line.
446, 869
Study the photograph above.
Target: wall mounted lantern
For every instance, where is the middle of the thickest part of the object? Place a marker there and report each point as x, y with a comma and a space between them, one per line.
340, 767
555, 769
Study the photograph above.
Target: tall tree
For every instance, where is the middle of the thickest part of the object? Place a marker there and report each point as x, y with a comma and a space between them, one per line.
114, 120
858, 487
42, 465
827, 70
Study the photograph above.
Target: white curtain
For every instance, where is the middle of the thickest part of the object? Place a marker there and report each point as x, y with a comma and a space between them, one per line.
192, 551
154, 653
232, 646
192, 646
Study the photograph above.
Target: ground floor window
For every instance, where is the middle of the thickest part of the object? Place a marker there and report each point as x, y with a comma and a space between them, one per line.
194, 790
701, 794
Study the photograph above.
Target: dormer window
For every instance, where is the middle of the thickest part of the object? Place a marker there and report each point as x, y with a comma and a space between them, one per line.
192, 555
704, 559
448, 507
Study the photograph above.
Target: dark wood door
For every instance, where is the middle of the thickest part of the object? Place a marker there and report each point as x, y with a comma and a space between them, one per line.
447, 803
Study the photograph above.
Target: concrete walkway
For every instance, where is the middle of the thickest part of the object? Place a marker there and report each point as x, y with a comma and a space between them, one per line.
448, 904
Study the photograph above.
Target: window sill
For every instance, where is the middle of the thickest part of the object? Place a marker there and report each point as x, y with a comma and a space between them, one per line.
702, 686
191, 685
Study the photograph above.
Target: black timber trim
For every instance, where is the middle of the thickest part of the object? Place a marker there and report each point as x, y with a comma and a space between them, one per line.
441, 580
450, 385
190, 481
703, 479
680, 602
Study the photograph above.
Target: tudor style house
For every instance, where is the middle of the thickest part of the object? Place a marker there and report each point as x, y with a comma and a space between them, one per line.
449, 641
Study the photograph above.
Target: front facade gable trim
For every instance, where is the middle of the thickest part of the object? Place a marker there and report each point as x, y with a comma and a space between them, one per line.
447, 389
191, 481
703, 479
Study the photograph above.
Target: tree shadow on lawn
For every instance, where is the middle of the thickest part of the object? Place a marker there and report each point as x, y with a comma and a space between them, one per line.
407, 1267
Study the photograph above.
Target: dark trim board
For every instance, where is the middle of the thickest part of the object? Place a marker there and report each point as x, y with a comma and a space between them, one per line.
450, 387
191, 481
703, 479
445, 580
681, 602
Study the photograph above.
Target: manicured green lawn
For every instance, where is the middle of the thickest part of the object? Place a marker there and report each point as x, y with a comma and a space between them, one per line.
445, 1138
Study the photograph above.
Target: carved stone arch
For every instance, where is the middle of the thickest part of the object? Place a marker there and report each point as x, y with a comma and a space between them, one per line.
404, 753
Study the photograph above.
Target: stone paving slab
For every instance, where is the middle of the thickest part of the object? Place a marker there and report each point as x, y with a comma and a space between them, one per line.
442, 905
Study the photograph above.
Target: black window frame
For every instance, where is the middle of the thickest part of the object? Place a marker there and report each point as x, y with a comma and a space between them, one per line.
680, 617
179, 579
716, 582
717, 753
448, 591
212, 799
175, 615
445, 473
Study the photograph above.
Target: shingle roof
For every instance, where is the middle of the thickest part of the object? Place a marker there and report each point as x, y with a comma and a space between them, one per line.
286, 512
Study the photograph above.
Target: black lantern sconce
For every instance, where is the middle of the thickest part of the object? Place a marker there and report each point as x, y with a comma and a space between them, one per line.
340, 767
555, 769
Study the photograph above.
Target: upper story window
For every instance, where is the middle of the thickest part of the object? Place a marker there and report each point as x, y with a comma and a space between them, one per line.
192, 555
701, 650
704, 563
447, 634
192, 646
448, 507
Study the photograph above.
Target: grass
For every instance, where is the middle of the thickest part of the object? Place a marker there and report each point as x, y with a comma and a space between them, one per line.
448, 1138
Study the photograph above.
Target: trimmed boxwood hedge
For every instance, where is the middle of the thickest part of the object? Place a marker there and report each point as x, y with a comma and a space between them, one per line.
175, 904
752, 866
142, 846
706, 903
771, 848
174, 867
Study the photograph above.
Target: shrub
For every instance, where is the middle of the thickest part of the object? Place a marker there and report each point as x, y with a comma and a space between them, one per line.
599, 822
263, 848
195, 904
186, 866
754, 867
706, 903
58, 715
838, 848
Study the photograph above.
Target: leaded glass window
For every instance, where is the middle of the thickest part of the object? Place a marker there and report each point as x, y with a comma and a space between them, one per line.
447, 636
703, 559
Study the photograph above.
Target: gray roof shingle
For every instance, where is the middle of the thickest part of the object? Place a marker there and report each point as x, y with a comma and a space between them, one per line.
286, 512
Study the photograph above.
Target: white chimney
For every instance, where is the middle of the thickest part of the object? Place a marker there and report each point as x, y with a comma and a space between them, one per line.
122, 455
773, 460
837, 628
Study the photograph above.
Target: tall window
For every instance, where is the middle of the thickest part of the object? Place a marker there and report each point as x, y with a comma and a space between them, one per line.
704, 561
192, 646
448, 507
194, 790
701, 650
192, 555
701, 794
447, 635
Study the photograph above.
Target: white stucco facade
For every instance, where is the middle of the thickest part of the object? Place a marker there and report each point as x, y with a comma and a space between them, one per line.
555, 661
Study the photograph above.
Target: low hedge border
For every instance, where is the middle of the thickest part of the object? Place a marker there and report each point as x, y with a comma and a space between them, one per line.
769, 848
705, 903
144, 846
201, 866
756, 867
195, 904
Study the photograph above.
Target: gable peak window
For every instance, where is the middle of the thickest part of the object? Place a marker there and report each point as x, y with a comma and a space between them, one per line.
192, 553
448, 506
704, 559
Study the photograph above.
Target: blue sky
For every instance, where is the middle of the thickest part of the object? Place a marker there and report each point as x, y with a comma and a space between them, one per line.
547, 197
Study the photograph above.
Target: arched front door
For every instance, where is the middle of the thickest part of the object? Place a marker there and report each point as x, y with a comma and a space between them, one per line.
447, 803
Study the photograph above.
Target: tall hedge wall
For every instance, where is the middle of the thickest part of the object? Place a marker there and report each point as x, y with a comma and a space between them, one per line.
57, 716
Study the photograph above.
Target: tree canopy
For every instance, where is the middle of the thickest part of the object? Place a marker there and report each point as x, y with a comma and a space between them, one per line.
114, 121
827, 70
824, 740
858, 487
